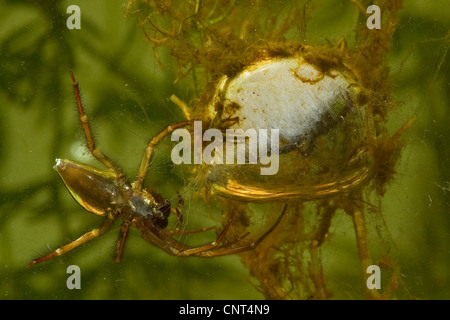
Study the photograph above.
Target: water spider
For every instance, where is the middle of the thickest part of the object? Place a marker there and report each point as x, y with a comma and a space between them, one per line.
109, 194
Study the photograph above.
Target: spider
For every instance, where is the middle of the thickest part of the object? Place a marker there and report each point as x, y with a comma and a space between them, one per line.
109, 194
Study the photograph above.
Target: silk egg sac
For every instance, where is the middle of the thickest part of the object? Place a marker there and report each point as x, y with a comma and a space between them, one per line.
320, 145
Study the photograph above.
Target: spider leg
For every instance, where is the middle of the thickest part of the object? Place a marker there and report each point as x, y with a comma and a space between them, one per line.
88, 133
179, 220
178, 211
228, 244
149, 151
163, 240
196, 250
177, 229
212, 249
249, 246
107, 223
121, 243
181, 232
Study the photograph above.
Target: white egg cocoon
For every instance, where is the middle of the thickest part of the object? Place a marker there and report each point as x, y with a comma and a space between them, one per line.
321, 149
288, 94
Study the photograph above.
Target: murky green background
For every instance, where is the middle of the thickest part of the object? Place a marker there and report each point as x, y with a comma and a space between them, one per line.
126, 97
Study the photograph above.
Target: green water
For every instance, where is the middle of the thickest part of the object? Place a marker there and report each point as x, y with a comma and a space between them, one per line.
126, 98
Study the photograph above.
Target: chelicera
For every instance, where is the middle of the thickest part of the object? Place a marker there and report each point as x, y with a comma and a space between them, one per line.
108, 193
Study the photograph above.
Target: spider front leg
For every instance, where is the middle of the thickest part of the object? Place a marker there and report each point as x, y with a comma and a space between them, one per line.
149, 151
88, 133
